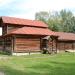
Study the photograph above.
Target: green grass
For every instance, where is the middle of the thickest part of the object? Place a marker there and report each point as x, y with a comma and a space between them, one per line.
57, 64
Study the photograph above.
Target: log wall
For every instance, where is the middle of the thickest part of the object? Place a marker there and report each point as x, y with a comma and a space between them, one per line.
27, 45
1, 44
66, 46
8, 44
10, 28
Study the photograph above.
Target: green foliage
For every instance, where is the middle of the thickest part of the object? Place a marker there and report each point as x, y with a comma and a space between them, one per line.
42, 16
66, 17
58, 21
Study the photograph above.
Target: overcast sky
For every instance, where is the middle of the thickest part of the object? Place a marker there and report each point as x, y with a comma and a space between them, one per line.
27, 8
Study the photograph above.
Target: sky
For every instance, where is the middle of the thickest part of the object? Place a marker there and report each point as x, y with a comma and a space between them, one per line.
27, 8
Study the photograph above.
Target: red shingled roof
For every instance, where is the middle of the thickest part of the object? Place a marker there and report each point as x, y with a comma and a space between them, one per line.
33, 31
25, 22
63, 36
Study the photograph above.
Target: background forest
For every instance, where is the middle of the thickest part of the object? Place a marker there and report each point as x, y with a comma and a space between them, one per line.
63, 21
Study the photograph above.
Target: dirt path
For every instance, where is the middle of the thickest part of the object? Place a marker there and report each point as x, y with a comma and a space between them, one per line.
2, 73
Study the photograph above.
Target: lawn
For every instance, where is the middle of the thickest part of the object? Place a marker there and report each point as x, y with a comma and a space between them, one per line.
40, 64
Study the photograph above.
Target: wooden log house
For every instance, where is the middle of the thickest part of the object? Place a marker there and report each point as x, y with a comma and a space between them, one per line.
22, 35
29, 36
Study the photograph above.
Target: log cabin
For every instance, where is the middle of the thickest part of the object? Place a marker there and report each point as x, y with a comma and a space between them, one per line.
22, 36
66, 41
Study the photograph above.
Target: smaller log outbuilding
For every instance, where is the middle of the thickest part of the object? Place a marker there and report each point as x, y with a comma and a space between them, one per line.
66, 41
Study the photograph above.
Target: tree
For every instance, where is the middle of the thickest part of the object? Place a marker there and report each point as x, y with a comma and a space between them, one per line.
42, 16
72, 28
58, 21
65, 15
66, 20
52, 19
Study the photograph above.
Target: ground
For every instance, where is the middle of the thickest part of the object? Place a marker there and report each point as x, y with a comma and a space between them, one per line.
40, 64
